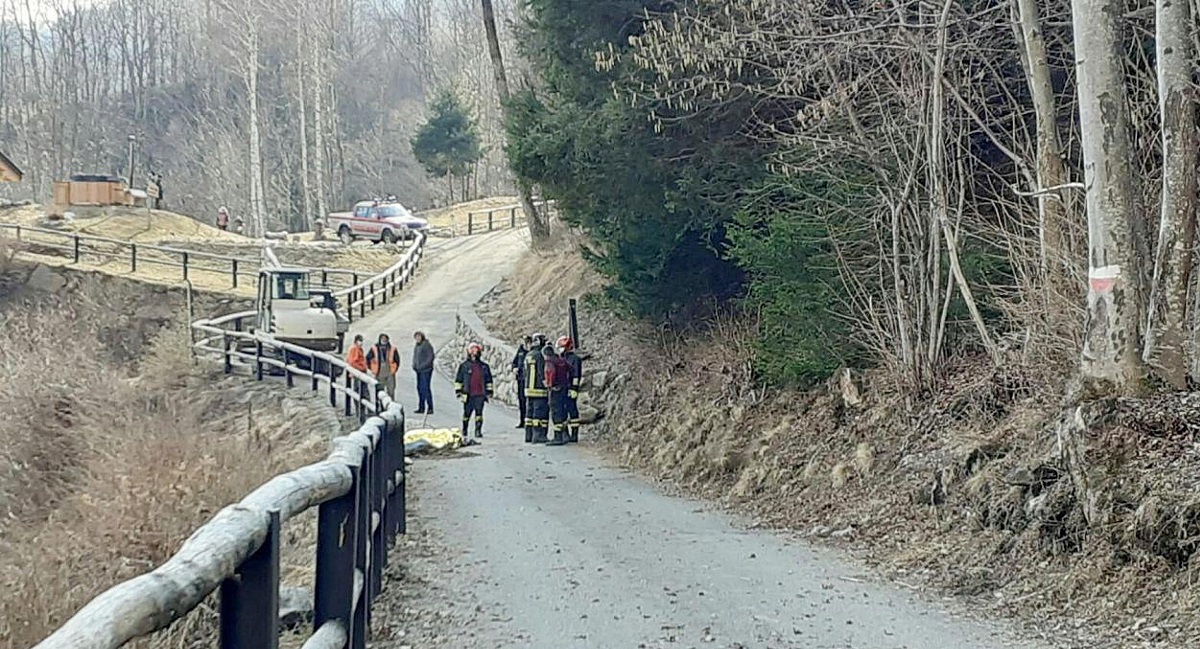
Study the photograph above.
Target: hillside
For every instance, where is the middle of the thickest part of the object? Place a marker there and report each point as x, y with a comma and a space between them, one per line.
965, 492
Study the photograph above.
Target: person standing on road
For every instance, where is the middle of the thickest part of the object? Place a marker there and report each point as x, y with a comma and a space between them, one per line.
357, 358
473, 385
537, 408
558, 382
566, 348
422, 364
383, 361
518, 368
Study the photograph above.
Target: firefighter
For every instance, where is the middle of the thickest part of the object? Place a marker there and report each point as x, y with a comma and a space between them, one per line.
558, 382
383, 360
537, 408
473, 385
566, 348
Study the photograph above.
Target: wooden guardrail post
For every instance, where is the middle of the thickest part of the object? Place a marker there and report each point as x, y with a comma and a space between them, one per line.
362, 532
287, 368
235, 273
228, 357
250, 599
491, 213
372, 289
349, 384
18, 233
397, 501
258, 364
573, 323
512, 217
76, 237
133, 257
336, 542
185, 266
327, 364
324, 277
470, 223
332, 390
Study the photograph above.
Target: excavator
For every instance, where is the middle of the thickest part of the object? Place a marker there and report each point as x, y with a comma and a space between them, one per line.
294, 311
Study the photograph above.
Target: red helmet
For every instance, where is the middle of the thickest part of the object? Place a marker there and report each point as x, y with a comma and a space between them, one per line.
565, 343
474, 348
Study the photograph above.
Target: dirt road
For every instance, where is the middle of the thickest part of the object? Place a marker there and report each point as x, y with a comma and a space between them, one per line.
550, 548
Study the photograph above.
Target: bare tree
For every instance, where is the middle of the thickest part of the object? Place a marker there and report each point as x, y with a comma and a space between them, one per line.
1111, 357
539, 227
1166, 338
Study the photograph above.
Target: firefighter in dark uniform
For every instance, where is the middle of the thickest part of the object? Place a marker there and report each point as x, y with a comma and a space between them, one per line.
537, 406
566, 348
558, 381
518, 366
473, 386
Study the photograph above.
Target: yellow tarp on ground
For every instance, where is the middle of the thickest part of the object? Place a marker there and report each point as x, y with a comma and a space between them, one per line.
438, 438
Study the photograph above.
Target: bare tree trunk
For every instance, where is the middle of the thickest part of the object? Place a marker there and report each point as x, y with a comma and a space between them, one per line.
1165, 347
1111, 361
305, 189
539, 225
1051, 171
319, 147
257, 208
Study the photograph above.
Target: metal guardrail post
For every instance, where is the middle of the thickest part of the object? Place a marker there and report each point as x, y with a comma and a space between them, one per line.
362, 524
490, 215
76, 248
324, 277
512, 217
18, 233
250, 599
185, 265
470, 223
350, 384
287, 368
362, 305
133, 257
336, 542
235, 273
228, 357
329, 369
332, 390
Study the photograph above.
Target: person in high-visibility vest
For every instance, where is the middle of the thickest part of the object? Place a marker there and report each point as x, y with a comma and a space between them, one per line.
537, 404
383, 360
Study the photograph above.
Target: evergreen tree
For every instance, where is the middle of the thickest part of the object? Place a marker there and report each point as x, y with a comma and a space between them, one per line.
447, 145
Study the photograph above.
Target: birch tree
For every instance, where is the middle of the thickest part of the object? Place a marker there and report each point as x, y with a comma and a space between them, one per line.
1166, 332
1111, 358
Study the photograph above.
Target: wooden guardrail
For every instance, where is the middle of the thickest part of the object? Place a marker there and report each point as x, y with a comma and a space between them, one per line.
81, 247
500, 218
358, 490
374, 291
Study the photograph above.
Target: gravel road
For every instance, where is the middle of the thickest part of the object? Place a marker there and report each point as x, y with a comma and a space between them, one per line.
553, 548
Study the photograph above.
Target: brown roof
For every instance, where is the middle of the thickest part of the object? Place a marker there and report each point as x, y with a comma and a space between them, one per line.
9, 171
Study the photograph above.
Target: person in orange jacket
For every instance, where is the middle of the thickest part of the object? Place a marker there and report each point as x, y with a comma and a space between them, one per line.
383, 360
357, 358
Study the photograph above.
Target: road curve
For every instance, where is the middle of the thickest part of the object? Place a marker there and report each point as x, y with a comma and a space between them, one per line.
560, 550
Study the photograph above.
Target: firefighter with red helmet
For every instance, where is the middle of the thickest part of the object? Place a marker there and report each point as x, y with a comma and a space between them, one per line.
537, 405
558, 382
473, 386
566, 349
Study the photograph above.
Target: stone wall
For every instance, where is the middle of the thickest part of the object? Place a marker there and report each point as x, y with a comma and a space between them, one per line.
498, 354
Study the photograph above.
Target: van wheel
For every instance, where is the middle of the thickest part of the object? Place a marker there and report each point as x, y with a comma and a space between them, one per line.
389, 236
345, 235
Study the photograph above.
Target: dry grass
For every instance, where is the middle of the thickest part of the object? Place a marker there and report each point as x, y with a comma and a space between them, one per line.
107, 465
454, 217
141, 225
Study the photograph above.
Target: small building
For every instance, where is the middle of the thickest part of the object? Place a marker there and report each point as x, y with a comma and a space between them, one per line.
9, 171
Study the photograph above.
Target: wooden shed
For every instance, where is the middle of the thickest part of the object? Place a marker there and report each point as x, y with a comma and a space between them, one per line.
9, 171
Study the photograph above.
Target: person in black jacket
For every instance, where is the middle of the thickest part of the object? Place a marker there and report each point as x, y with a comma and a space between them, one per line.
473, 385
537, 417
518, 368
566, 347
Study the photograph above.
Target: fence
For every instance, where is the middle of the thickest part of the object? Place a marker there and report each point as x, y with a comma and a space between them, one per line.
83, 247
499, 218
358, 490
